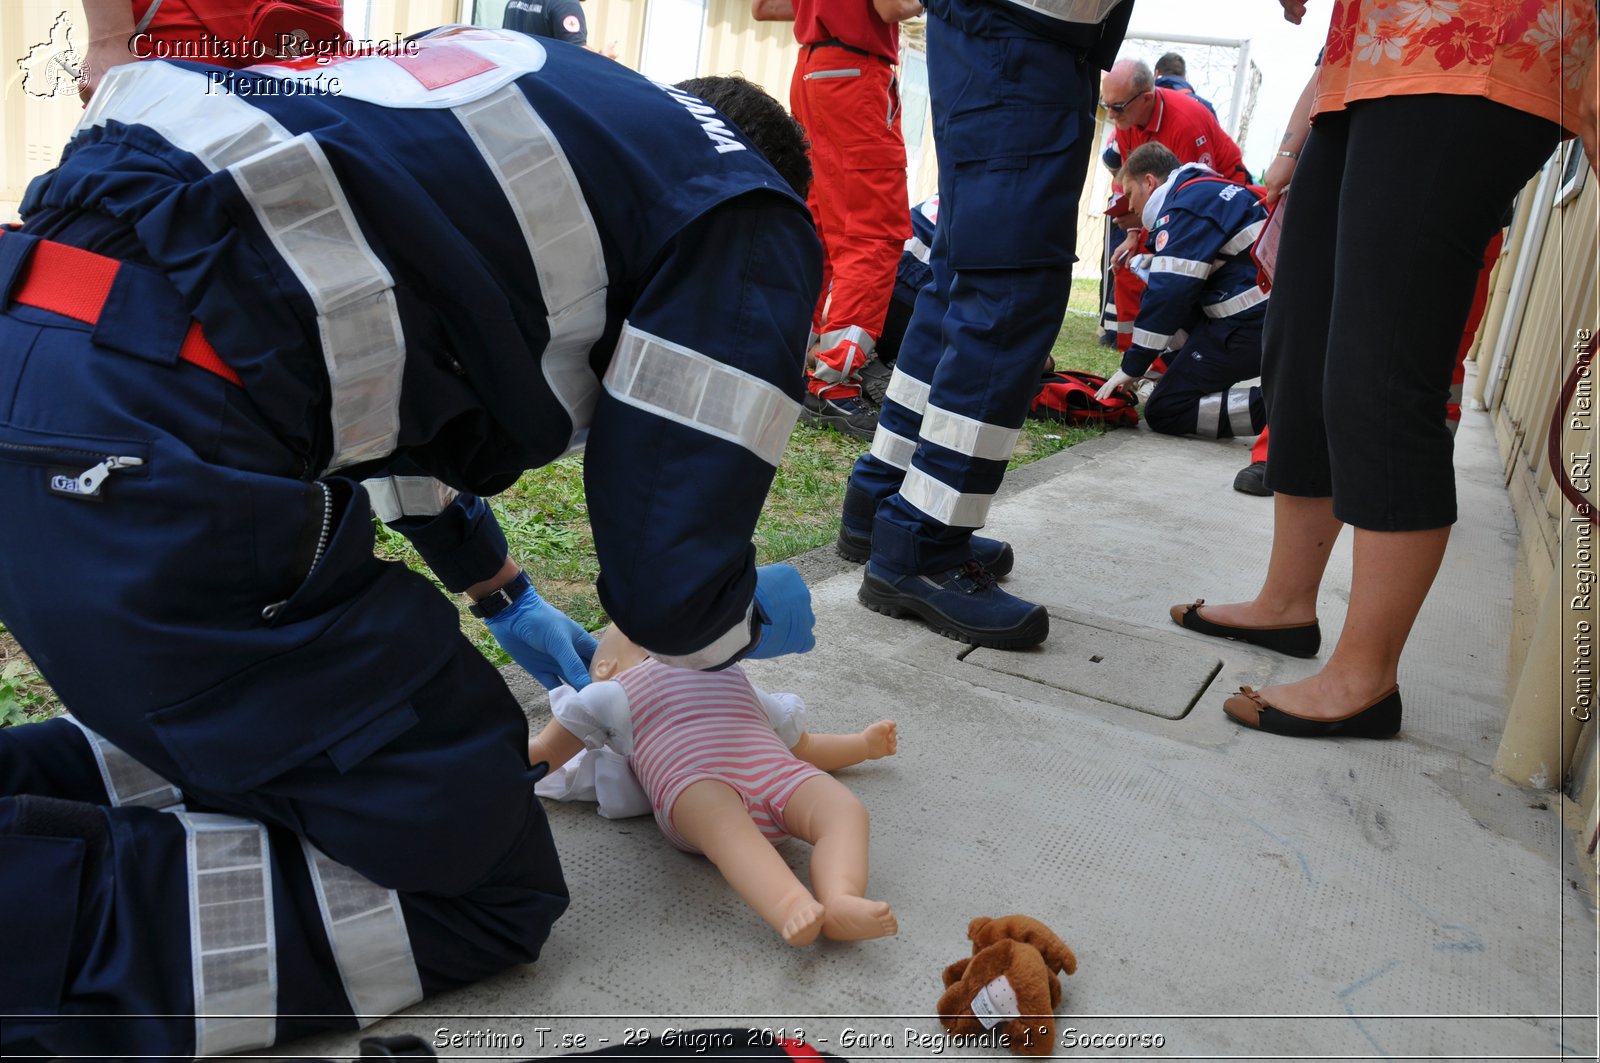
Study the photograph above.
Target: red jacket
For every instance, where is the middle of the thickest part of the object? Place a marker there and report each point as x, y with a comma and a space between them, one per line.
1189, 131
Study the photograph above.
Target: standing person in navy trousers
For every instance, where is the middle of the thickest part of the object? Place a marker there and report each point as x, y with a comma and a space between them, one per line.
1013, 89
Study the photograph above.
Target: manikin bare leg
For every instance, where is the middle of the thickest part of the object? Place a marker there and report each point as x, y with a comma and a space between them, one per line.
825, 813
711, 816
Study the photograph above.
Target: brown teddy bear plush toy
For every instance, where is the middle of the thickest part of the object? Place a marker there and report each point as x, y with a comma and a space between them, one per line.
1009, 986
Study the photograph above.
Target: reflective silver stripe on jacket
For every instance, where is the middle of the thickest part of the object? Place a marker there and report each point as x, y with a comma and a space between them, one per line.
394, 497
1090, 11
919, 250
1156, 341
127, 781
291, 188
368, 934
234, 952
976, 439
907, 390
296, 197
1241, 302
1188, 267
944, 503
892, 449
537, 180
671, 381
1244, 238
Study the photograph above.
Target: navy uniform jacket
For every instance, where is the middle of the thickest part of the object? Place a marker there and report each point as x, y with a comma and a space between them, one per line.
559, 19
1201, 228
469, 259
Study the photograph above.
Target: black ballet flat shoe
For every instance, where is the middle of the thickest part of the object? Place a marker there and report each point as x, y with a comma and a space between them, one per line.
1377, 719
1295, 640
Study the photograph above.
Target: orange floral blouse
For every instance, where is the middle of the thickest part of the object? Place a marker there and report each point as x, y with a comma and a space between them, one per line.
1527, 54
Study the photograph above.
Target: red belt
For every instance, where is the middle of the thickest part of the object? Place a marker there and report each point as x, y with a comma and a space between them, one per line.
74, 283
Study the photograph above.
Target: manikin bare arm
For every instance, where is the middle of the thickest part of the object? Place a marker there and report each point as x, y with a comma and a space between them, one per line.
555, 745
832, 752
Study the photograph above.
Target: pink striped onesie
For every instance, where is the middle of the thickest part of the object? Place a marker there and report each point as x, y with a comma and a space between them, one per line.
690, 725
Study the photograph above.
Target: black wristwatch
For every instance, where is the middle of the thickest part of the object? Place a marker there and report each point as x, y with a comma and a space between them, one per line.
496, 602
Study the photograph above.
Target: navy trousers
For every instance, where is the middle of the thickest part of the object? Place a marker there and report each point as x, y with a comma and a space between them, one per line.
1013, 118
1196, 395
302, 797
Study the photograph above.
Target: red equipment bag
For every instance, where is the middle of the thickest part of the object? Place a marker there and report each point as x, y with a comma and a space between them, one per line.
1067, 396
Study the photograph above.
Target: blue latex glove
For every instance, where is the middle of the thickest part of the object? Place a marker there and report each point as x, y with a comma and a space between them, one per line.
545, 641
786, 600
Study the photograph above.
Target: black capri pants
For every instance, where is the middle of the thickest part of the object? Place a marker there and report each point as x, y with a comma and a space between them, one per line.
1394, 201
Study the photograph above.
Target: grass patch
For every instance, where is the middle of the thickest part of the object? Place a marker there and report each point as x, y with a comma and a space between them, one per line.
546, 518
24, 695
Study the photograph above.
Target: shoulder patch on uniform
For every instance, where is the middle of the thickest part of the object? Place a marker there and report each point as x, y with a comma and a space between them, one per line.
571, 24
1161, 239
1163, 220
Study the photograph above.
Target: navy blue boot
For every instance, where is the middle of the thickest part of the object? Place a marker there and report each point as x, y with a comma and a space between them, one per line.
963, 604
855, 535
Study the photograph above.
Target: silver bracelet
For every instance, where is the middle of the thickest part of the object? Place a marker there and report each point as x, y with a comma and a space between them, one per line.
1288, 154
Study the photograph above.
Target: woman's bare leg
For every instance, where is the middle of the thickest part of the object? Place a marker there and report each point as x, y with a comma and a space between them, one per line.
1303, 533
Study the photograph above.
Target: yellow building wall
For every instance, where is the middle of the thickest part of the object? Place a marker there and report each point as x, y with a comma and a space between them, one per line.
1549, 661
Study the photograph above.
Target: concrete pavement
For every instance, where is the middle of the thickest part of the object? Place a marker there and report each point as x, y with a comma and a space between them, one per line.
1228, 893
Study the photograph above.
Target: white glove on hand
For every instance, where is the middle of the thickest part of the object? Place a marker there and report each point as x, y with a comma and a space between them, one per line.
1119, 379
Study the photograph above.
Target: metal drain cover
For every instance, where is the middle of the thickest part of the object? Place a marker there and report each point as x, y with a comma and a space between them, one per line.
1162, 677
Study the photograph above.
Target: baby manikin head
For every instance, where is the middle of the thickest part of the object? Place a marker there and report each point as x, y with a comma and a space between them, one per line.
616, 654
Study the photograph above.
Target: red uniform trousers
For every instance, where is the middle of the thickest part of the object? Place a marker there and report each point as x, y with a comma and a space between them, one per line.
849, 105
1127, 290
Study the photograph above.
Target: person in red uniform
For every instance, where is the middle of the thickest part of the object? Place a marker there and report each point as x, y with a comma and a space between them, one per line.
233, 33
1143, 112
845, 95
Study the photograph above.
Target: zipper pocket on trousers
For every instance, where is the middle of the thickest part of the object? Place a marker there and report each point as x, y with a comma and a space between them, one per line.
74, 472
324, 534
843, 72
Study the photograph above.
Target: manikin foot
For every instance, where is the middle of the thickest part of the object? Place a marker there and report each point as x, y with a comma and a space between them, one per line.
858, 919
803, 923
